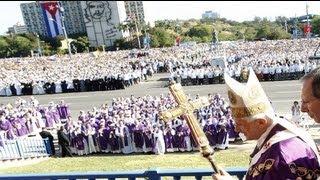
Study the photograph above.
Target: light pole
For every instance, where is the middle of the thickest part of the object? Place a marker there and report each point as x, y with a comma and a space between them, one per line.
308, 23
133, 17
137, 32
39, 48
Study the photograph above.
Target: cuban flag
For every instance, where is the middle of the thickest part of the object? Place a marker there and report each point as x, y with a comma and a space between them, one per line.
52, 17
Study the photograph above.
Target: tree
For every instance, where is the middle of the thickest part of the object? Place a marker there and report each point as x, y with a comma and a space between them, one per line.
250, 33
19, 46
161, 37
81, 43
316, 25
203, 32
122, 43
3, 47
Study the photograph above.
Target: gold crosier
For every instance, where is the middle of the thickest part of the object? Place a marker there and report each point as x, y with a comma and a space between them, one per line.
186, 109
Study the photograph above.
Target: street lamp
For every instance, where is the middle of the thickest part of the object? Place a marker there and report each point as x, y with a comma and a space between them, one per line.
39, 48
63, 28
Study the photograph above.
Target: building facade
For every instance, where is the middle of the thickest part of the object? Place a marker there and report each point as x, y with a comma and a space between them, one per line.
210, 15
73, 17
17, 29
102, 19
134, 9
34, 19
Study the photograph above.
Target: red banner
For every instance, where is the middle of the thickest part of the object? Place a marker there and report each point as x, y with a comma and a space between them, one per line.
178, 41
307, 29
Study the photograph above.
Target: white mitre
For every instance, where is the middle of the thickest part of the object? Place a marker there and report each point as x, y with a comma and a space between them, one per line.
248, 101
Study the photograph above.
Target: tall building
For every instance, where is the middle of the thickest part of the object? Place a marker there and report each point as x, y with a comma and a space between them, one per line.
135, 9
73, 17
102, 19
210, 15
17, 29
33, 17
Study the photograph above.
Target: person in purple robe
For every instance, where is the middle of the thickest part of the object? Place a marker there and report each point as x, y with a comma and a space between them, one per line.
102, 135
6, 126
187, 135
169, 133
78, 141
63, 110
222, 134
283, 151
211, 131
54, 114
49, 121
147, 136
138, 139
233, 135
113, 139
19, 125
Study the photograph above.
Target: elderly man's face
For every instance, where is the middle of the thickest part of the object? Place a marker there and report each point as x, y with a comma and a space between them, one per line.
310, 104
251, 129
96, 9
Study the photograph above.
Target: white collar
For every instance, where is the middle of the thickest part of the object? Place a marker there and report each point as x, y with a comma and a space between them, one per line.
264, 135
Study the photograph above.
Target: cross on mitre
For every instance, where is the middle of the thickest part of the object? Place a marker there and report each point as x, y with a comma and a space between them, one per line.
247, 100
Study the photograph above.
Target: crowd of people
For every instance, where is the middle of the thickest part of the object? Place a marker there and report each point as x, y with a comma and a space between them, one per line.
271, 60
84, 72
126, 126
132, 125
23, 118
190, 65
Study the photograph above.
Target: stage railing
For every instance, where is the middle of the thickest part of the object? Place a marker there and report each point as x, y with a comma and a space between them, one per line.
29, 147
152, 174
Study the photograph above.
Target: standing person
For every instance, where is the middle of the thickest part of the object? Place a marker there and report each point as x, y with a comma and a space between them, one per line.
46, 134
64, 143
295, 112
310, 94
159, 144
282, 149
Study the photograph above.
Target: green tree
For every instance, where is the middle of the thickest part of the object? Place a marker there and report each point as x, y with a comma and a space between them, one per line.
161, 37
122, 43
200, 31
81, 43
316, 25
4, 47
20, 46
250, 33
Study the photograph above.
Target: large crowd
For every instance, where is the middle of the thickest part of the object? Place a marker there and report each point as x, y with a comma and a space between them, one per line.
127, 125
190, 65
271, 61
83, 72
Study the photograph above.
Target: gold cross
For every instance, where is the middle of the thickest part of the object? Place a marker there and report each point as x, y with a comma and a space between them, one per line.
186, 109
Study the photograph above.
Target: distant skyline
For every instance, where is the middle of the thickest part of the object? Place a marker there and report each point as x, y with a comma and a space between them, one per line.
160, 10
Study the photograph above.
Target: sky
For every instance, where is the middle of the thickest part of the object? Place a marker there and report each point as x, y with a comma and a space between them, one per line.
10, 12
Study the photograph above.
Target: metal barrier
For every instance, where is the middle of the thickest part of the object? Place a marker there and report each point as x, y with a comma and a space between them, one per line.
23, 148
155, 174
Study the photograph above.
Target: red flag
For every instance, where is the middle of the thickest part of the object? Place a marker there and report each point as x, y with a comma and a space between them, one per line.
178, 40
307, 28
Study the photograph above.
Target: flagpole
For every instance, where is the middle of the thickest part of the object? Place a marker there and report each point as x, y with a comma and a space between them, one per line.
308, 23
61, 10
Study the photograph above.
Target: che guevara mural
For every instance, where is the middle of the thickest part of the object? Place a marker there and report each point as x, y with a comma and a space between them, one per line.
101, 19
